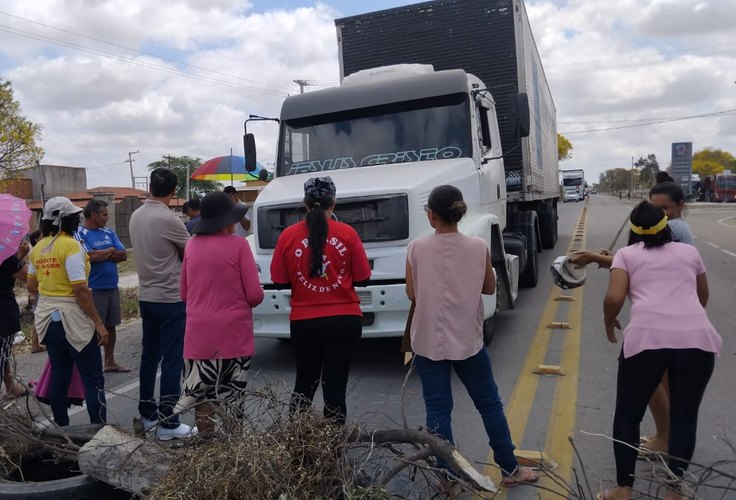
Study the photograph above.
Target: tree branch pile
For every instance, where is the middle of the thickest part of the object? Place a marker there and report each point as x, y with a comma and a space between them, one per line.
259, 451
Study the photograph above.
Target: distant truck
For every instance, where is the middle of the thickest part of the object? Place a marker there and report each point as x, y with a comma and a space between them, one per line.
725, 187
433, 93
574, 179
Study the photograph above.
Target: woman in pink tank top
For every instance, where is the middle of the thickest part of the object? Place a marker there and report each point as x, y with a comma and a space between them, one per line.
446, 273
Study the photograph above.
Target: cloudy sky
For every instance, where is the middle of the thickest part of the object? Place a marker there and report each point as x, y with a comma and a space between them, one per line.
107, 77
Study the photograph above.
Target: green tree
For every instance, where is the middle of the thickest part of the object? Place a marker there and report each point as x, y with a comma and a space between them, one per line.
179, 165
18, 136
564, 148
709, 162
615, 179
648, 169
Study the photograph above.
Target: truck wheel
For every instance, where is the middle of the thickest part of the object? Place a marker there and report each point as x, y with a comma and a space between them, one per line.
548, 225
530, 276
488, 330
527, 223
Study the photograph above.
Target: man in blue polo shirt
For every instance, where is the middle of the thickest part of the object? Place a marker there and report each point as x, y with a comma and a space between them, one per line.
105, 251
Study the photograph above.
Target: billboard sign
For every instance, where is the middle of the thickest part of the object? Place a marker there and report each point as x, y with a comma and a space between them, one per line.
682, 164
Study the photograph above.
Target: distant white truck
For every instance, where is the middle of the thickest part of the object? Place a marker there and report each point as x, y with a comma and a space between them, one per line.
389, 134
574, 179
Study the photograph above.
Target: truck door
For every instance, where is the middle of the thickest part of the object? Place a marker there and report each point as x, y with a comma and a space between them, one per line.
492, 180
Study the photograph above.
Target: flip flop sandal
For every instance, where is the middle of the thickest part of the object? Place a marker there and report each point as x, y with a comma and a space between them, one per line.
513, 482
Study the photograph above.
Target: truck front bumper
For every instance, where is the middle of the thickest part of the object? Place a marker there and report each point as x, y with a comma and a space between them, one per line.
385, 308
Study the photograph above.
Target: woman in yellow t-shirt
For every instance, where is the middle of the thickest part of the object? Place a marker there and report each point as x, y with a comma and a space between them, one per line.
66, 318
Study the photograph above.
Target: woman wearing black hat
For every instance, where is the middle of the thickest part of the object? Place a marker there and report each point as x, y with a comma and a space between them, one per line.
220, 286
321, 259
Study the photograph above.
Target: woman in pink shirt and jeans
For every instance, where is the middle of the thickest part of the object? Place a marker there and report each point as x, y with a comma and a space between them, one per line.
446, 273
667, 333
220, 286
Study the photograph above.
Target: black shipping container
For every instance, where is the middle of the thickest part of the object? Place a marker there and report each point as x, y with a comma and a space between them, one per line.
490, 39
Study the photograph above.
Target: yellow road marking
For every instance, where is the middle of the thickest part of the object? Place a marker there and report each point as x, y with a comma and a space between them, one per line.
564, 407
562, 417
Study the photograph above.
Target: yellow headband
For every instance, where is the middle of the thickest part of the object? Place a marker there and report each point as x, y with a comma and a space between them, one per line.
652, 230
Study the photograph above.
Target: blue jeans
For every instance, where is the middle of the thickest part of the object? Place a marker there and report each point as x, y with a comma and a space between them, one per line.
476, 375
163, 342
89, 363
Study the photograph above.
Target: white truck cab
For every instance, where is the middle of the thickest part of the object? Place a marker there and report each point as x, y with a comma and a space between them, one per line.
387, 137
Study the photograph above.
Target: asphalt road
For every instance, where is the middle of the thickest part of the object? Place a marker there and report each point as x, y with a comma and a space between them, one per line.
543, 410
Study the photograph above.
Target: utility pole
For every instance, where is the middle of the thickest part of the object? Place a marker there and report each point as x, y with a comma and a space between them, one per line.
41, 181
302, 84
130, 161
631, 177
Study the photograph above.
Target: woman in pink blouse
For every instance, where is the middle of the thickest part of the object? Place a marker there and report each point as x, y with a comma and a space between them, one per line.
446, 273
220, 286
667, 333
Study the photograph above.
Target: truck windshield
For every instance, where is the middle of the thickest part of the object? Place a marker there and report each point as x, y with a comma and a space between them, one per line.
426, 129
576, 181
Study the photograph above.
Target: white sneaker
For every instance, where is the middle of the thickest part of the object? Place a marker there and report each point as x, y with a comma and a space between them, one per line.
182, 431
148, 424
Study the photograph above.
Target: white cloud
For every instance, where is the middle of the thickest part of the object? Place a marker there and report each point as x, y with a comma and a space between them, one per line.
606, 62
625, 60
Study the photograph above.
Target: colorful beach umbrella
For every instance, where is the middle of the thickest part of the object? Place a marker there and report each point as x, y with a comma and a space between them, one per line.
14, 217
226, 169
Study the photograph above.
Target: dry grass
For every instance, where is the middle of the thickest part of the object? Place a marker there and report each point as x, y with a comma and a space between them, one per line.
129, 303
127, 266
263, 453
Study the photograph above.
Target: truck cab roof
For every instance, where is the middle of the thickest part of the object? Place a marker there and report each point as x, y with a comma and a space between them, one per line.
380, 92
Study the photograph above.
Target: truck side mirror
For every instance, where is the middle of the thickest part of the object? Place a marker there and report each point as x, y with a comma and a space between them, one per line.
519, 114
249, 147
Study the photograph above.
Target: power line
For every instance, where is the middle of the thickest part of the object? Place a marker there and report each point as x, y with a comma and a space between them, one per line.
284, 89
97, 167
668, 120
137, 62
607, 121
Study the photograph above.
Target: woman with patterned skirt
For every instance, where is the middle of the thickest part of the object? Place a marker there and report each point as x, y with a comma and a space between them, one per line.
220, 286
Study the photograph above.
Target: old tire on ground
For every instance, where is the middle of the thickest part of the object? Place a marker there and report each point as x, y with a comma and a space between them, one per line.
70, 488
78, 486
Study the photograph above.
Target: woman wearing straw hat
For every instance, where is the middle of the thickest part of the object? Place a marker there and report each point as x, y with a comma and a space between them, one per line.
220, 286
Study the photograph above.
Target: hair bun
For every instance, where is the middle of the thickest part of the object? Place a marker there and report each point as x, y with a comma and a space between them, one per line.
457, 210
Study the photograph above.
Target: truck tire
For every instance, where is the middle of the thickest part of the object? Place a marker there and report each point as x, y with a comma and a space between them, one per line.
530, 276
526, 223
548, 225
488, 330
515, 244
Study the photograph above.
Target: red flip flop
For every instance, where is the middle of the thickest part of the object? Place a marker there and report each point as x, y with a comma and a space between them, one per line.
522, 475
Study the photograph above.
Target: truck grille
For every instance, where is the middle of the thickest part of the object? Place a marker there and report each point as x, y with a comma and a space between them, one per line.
384, 218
